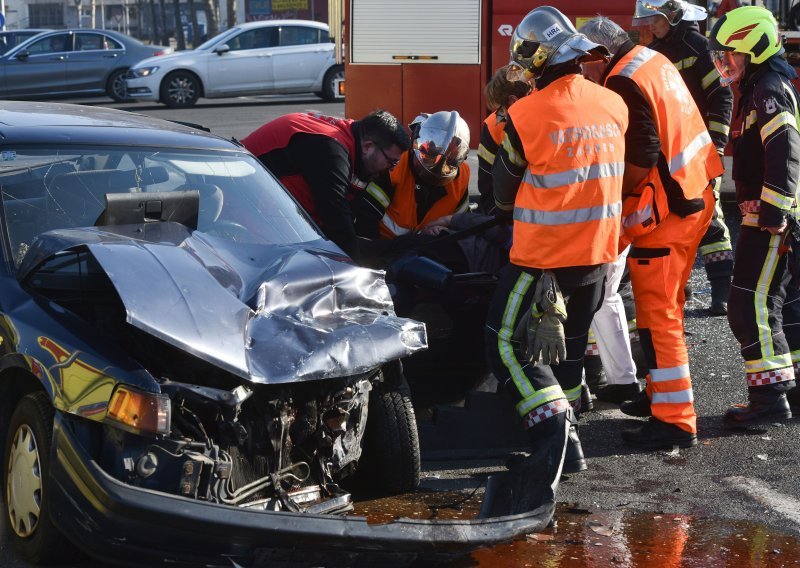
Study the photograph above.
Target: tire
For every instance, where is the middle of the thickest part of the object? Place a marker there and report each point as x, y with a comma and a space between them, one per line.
328, 87
180, 89
26, 483
390, 462
116, 87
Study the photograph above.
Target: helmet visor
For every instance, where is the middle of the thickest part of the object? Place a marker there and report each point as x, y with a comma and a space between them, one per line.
440, 152
727, 65
670, 10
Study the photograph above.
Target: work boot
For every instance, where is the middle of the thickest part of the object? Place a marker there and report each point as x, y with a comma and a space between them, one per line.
687, 290
762, 408
532, 477
619, 393
639, 406
655, 434
586, 398
720, 287
793, 396
595, 374
573, 459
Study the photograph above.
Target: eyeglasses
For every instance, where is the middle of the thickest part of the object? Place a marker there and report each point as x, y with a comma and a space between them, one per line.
392, 162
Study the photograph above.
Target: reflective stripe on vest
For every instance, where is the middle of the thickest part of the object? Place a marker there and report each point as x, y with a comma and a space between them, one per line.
551, 218
690, 154
580, 175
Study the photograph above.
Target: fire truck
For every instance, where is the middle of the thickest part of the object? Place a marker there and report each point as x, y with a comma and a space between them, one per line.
429, 55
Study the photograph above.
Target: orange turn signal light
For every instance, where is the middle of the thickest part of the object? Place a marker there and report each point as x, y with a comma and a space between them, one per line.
140, 411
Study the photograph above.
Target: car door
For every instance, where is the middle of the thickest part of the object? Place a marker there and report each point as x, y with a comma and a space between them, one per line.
95, 55
38, 68
247, 67
303, 53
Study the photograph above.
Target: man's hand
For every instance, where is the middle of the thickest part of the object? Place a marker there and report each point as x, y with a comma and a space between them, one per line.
776, 230
437, 225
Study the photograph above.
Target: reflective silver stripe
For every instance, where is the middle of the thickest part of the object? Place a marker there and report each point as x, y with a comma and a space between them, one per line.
679, 397
637, 217
570, 216
396, 229
680, 161
669, 374
643, 57
560, 179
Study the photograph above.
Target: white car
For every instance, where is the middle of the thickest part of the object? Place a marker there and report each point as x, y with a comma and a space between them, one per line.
256, 58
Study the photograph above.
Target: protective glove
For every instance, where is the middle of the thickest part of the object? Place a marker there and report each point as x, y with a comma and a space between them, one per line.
541, 329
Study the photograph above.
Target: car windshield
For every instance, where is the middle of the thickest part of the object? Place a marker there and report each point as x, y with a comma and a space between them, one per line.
56, 188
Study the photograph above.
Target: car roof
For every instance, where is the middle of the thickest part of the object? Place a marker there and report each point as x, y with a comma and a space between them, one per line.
268, 23
24, 122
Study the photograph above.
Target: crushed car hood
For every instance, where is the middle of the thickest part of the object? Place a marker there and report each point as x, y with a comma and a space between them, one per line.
267, 313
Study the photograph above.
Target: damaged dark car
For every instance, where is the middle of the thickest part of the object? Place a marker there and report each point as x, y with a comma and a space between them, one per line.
190, 373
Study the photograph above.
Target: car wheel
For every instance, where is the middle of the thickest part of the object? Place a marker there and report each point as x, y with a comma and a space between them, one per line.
117, 87
27, 453
390, 462
180, 89
329, 83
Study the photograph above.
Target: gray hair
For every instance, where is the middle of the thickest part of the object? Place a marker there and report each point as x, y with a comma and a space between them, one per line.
605, 32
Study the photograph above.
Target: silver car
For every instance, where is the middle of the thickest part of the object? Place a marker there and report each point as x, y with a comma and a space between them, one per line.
77, 62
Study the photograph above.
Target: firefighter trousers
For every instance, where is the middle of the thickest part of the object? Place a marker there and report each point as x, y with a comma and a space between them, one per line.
660, 264
764, 311
715, 246
540, 391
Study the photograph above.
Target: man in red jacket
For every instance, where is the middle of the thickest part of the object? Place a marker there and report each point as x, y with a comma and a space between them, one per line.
326, 161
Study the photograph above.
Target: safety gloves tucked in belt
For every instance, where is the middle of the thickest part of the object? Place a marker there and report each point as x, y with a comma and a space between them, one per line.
541, 329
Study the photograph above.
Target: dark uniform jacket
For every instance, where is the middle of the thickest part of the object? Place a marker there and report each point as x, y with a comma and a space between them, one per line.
766, 157
688, 49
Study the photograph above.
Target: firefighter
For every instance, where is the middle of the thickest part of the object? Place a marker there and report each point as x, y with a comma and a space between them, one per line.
500, 95
558, 173
670, 161
674, 23
426, 188
766, 170
326, 161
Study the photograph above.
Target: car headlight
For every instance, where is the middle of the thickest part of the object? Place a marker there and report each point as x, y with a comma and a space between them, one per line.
143, 71
138, 411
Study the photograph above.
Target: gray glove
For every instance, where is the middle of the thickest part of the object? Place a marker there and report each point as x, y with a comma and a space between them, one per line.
541, 329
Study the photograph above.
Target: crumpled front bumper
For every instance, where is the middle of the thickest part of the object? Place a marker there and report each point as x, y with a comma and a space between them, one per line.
117, 522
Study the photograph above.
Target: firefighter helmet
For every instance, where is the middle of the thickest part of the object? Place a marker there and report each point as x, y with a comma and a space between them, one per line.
441, 143
672, 10
545, 37
751, 30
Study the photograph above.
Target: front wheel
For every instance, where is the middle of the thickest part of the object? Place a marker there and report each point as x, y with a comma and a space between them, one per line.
117, 87
180, 89
26, 488
329, 92
390, 462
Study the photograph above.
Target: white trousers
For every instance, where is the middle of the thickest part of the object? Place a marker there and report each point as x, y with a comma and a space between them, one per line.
610, 328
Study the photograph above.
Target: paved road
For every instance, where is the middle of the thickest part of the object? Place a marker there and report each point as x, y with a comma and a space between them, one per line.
737, 476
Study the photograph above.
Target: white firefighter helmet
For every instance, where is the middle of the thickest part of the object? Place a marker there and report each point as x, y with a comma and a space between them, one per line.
673, 11
545, 37
441, 143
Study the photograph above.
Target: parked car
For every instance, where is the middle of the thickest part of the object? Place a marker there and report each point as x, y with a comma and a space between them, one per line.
13, 38
77, 62
257, 58
187, 363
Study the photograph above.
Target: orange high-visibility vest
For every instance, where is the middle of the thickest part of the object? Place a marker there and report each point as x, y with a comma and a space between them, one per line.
567, 208
691, 157
496, 129
401, 214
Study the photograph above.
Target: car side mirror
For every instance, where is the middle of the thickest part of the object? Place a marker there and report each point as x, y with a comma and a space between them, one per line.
23, 55
224, 48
